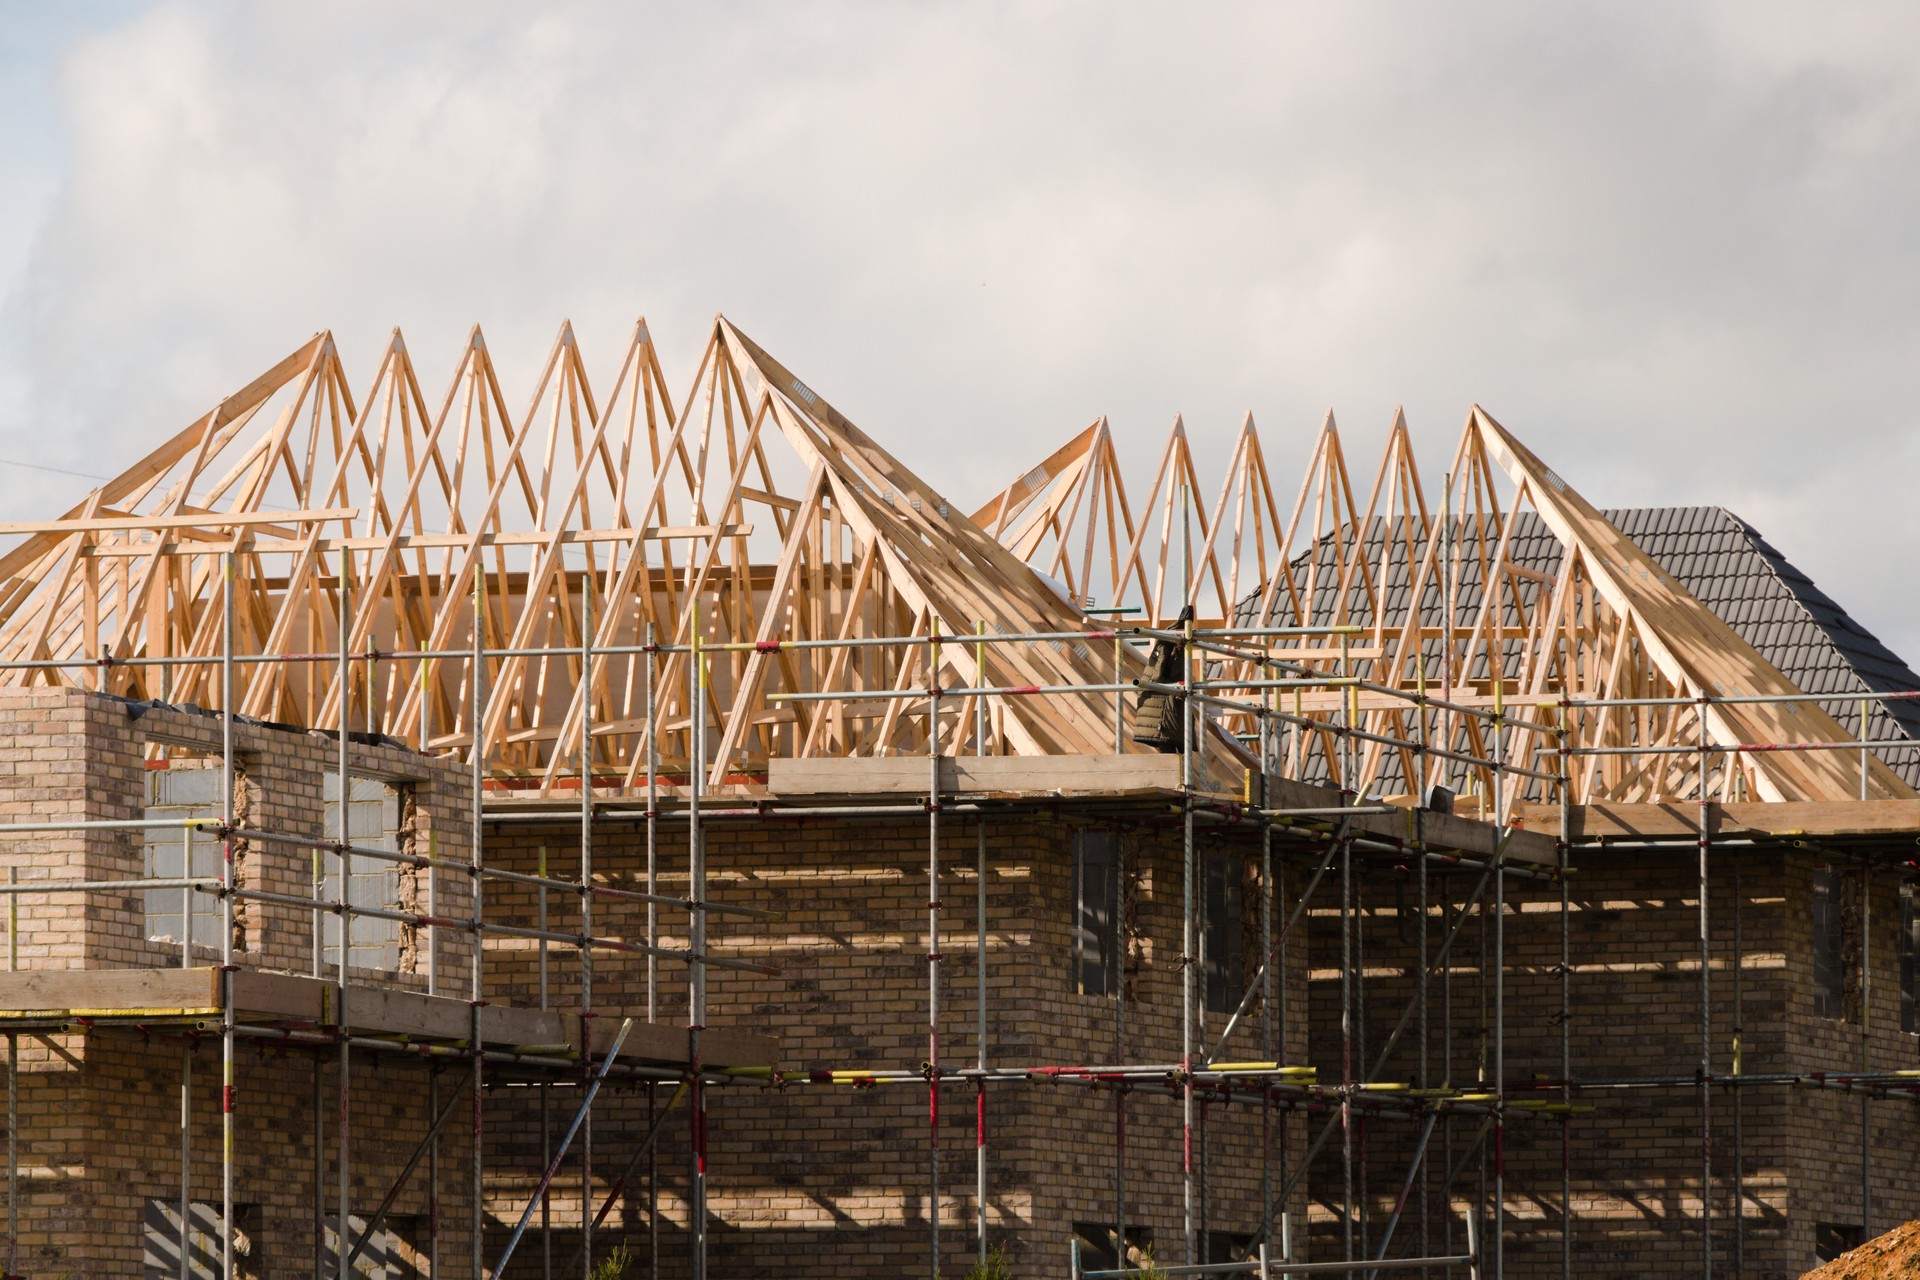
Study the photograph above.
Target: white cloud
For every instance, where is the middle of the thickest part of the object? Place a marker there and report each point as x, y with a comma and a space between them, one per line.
1670, 246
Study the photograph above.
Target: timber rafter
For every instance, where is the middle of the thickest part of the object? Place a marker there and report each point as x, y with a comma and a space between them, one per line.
749, 513
1437, 601
752, 516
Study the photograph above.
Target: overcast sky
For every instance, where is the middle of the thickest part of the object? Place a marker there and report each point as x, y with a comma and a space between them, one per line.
1675, 248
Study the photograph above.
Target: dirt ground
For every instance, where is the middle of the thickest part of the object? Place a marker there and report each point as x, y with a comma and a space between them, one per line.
1893, 1256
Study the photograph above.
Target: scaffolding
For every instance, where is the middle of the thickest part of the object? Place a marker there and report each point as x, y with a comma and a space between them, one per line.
1195, 1077
1228, 675
1273, 701
1192, 1076
549, 1065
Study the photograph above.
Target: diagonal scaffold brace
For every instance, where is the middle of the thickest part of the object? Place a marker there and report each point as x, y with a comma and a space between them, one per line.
560, 1153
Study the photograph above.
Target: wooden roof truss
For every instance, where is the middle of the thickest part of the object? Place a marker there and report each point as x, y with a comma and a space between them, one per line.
1438, 604
750, 513
753, 516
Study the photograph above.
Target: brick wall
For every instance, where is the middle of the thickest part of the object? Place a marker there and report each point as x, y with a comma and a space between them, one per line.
1822, 1130
1635, 1163
98, 1143
75, 756
99, 1129
832, 1180
828, 1178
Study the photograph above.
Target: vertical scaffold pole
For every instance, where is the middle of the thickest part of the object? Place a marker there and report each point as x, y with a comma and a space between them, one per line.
1866, 756
980, 966
1424, 1064
186, 1160
227, 882
1566, 1004
1448, 732
433, 1174
1449, 919
319, 1200
1734, 1069
933, 946
697, 961
653, 822
1449, 729
433, 847
653, 931
12, 1089
1269, 1049
476, 864
1702, 837
1866, 1024
1499, 976
546, 1086
1866, 998
1120, 996
1350, 788
343, 1094
1285, 1171
1119, 1050
1120, 1163
1346, 976
1187, 974
1206, 1108
318, 916
586, 914
186, 897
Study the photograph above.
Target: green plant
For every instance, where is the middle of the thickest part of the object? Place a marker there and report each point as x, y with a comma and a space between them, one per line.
992, 1267
1148, 1268
614, 1265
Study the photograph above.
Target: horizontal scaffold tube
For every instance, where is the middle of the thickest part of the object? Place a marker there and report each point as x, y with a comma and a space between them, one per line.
1284, 1269
1728, 748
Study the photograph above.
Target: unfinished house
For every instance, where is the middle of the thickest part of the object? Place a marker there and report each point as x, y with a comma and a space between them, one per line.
453, 836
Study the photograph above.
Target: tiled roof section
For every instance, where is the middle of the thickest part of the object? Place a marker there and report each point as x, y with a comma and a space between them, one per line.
1778, 610
1727, 566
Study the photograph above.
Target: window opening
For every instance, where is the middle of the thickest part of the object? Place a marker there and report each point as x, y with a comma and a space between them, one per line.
1225, 972
1836, 944
187, 787
1909, 952
1096, 914
373, 822
1831, 1239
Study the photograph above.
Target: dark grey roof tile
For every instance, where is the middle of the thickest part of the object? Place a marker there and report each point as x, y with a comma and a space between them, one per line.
1724, 563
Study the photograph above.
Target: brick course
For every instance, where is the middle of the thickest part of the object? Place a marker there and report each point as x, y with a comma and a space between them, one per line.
1635, 1014
831, 1180
827, 1177
100, 1109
